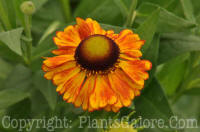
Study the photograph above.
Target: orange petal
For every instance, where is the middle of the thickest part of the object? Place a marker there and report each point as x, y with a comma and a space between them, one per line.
51, 72
125, 57
86, 90
136, 70
95, 28
69, 38
118, 103
52, 62
124, 33
70, 51
73, 86
132, 53
111, 34
121, 87
45, 68
103, 94
115, 107
73, 34
65, 75
137, 92
108, 108
128, 40
83, 28
63, 43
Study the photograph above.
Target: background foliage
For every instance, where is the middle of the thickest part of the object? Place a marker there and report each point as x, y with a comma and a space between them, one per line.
171, 29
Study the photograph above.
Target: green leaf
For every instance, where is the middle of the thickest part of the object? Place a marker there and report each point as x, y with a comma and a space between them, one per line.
131, 13
11, 96
147, 29
104, 15
161, 3
174, 44
47, 89
19, 14
152, 55
12, 39
7, 53
153, 104
1, 27
52, 27
193, 91
49, 13
39, 105
39, 3
44, 48
194, 83
83, 9
5, 69
24, 106
168, 22
196, 6
65, 4
188, 10
11, 12
117, 29
172, 73
123, 8
19, 78
4, 15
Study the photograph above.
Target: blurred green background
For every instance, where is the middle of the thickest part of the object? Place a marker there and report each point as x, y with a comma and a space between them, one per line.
171, 29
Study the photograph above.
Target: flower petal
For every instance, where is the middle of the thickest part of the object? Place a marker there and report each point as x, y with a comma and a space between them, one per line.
53, 62
136, 70
52, 71
128, 40
72, 34
63, 43
72, 87
103, 94
86, 90
69, 38
65, 75
115, 107
132, 53
61, 78
111, 34
62, 51
95, 28
123, 89
83, 28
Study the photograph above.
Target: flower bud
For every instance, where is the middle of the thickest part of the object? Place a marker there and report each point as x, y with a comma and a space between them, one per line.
27, 7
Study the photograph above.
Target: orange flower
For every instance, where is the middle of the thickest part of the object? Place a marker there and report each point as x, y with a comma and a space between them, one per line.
97, 69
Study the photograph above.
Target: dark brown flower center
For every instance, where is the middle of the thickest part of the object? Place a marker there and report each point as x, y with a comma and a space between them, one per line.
97, 53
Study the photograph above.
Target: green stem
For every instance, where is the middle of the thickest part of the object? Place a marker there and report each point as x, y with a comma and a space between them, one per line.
29, 37
132, 14
66, 9
4, 17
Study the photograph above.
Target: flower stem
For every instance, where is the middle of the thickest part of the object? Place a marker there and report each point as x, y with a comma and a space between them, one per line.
132, 14
4, 17
29, 37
